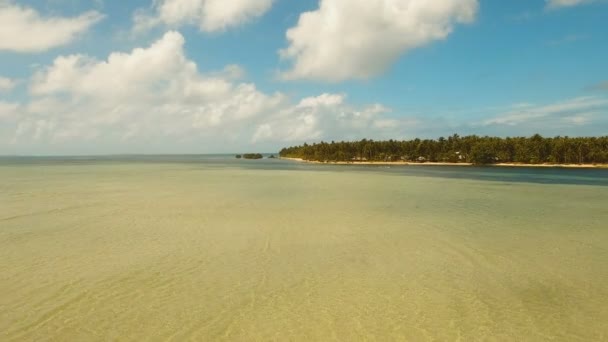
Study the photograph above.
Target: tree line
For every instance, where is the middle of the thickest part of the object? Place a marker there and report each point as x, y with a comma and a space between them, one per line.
250, 156
456, 149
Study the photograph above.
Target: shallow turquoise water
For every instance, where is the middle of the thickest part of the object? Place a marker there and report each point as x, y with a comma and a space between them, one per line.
502, 174
211, 248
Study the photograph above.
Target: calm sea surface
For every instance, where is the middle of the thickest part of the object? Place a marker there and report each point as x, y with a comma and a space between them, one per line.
213, 248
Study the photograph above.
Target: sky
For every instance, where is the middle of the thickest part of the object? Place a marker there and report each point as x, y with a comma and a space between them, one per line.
84, 77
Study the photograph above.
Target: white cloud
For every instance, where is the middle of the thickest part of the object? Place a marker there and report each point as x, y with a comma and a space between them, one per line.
580, 119
324, 100
9, 114
151, 92
329, 117
555, 4
358, 39
208, 15
233, 72
8, 111
155, 99
6, 84
578, 111
23, 29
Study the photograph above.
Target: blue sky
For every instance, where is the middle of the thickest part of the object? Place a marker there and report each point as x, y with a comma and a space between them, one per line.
201, 76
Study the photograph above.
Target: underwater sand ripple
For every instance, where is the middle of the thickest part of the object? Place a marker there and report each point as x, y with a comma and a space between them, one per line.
132, 252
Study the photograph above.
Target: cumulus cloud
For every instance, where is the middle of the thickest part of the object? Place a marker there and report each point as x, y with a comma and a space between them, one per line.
330, 117
154, 99
6, 84
208, 15
358, 39
8, 110
25, 30
556, 4
151, 92
9, 114
232, 71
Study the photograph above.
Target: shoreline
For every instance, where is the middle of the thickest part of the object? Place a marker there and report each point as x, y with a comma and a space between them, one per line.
402, 163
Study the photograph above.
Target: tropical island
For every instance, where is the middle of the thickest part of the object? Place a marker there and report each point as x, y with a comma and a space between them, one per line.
456, 150
250, 156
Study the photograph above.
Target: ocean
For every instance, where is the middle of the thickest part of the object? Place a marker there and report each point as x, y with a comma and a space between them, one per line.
213, 248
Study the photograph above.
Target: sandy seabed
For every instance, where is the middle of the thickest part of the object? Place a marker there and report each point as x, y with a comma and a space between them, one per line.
180, 252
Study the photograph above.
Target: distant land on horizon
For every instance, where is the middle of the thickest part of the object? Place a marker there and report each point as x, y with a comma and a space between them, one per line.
472, 149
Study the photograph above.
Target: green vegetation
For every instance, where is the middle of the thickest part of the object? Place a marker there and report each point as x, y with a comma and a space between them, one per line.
238, 156
252, 156
456, 149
